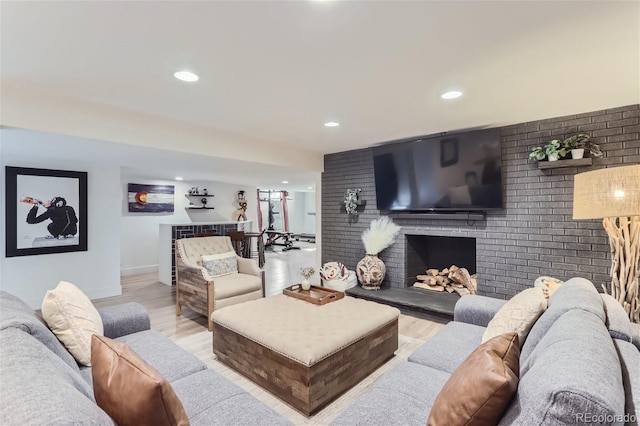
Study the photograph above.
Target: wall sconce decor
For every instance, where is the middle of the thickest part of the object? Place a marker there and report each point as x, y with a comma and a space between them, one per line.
351, 201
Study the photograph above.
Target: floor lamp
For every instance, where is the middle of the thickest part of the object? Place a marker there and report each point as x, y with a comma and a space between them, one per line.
613, 195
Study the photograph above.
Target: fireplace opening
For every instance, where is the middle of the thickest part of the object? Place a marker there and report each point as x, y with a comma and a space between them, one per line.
436, 252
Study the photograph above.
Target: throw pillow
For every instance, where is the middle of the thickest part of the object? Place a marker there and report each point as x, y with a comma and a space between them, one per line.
517, 315
480, 389
548, 284
72, 317
129, 390
221, 264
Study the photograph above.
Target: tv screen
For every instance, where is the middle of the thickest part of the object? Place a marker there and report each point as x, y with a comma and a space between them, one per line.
459, 172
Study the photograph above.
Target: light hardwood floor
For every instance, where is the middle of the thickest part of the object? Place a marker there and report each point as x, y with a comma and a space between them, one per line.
190, 331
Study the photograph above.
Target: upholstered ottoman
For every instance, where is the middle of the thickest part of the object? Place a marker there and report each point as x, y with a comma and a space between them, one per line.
305, 354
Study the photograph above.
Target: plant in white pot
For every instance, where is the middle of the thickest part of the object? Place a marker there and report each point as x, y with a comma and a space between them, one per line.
555, 150
306, 273
537, 154
380, 235
580, 143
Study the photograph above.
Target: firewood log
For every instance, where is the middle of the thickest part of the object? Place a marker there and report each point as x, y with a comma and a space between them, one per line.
462, 291
439, 280
445, 271
461, 275
428, 287
432, 272
449, 289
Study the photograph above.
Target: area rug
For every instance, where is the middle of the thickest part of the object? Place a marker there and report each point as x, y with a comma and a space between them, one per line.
200, 344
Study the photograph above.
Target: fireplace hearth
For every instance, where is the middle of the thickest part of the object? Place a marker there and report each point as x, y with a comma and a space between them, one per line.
422, 252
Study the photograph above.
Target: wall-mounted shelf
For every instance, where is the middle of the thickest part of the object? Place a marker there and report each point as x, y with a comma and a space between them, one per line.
544, 165
468, 216
203, 202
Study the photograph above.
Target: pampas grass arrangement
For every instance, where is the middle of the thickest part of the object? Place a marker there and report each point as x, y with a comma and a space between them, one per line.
380, 235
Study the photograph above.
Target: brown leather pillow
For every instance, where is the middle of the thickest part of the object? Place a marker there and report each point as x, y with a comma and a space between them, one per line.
480, 389
129, 390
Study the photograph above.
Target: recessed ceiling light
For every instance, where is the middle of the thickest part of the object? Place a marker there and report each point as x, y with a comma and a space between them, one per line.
285, 181
331, 124
179, 178
451, 95
186, 76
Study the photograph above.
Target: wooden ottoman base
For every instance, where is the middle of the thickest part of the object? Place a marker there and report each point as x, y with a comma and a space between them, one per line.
307, 389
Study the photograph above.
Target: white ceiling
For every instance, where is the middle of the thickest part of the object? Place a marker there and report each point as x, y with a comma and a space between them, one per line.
275, 71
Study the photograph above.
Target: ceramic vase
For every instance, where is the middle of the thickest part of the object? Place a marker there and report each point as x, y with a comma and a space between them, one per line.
553, 157
577, 153
306, 284
371, 271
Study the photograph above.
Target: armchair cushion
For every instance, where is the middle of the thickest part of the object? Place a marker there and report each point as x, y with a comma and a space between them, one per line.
220, 264
248, 266
191, 250
235, 284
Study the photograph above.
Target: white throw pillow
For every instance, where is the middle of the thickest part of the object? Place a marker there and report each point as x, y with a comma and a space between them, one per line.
220, 264
517, 315
548, 285
73, 319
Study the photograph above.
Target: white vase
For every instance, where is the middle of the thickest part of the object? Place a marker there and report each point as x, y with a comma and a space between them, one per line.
577, 153
371, 271
553, 157
306, 284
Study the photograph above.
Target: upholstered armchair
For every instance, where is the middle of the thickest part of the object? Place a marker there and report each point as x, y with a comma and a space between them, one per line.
204, 290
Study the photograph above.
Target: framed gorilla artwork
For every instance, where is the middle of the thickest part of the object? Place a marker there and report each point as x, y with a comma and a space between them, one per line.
46, 211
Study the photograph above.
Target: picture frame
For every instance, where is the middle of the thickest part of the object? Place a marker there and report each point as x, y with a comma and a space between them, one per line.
448, 152
46, 211
144, 198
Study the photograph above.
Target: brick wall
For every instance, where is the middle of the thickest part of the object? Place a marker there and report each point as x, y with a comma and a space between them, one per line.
534, 235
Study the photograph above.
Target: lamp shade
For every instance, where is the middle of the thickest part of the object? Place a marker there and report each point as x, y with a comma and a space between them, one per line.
612, 192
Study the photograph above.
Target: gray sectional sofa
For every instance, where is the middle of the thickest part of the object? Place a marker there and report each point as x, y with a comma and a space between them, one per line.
580, 364
41, 383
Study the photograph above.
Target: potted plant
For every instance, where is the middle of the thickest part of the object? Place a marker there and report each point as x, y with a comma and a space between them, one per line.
581, 142
555, 150
537, 154
306, 273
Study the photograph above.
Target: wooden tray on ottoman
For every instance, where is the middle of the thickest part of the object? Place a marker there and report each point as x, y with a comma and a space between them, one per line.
316, 295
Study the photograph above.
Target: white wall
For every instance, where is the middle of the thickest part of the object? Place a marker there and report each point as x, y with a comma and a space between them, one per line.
117, 240
309, 213
95, 271
140, 231
22, 108
299, 205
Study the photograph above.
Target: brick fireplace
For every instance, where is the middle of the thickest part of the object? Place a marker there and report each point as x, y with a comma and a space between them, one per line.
534, 234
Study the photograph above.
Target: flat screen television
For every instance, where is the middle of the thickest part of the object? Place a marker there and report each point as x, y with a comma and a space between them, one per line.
449, 173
